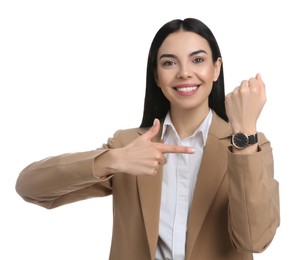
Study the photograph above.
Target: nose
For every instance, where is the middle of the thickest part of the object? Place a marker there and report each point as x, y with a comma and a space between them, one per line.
184, 72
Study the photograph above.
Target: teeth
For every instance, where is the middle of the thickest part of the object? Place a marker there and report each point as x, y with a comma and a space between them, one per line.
188, 89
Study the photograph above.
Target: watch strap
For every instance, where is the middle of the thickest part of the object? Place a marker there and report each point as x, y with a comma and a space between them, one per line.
253, 139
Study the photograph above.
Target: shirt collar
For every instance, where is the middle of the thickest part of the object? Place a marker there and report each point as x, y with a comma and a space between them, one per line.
202, 129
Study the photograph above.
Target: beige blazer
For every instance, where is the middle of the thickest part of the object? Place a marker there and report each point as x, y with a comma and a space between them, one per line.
235, 209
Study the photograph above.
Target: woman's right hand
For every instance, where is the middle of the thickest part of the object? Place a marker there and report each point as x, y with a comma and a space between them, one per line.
139, 157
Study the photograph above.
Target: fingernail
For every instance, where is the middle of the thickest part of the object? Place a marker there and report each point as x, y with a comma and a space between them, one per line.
191, 150
155, 120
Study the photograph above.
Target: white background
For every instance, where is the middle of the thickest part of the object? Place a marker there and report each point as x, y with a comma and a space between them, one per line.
73, 72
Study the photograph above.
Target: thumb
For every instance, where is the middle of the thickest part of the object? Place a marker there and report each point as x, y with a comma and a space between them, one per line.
153, 131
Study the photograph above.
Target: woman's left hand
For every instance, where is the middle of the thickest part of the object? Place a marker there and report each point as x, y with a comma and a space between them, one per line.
244, 105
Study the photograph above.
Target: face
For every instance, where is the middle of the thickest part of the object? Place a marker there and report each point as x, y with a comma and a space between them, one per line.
185, 70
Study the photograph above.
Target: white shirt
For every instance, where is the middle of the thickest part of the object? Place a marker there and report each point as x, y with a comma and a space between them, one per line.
179, 179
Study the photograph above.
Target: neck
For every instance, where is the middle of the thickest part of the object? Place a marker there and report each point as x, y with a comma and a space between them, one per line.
186, 122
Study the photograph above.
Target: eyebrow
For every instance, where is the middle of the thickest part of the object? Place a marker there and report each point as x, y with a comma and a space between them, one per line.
166, 55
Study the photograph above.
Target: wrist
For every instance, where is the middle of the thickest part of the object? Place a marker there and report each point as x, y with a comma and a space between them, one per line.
104, 164
248, 129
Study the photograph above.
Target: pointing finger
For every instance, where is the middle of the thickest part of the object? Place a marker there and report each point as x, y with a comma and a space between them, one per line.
167, 148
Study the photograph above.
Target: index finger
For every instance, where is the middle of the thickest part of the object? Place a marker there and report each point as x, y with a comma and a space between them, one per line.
168, 148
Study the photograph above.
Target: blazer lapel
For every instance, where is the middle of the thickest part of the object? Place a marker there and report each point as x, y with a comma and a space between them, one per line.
150, 198
211, 173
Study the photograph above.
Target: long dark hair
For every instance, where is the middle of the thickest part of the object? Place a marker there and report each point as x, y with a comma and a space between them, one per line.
156, 104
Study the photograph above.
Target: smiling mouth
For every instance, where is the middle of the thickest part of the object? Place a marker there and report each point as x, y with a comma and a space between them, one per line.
187, 89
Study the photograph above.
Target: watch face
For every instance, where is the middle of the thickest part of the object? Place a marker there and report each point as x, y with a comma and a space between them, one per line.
240, 140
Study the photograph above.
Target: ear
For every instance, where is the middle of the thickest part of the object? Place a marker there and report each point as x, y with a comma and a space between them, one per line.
217, 69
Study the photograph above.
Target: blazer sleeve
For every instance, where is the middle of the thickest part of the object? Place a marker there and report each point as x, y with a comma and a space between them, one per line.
64, 179
254, 213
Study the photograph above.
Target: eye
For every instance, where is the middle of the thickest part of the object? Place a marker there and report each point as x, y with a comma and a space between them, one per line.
198, 60
168, 63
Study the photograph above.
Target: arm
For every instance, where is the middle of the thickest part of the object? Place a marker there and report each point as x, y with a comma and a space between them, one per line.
67, 178
62, 179
253, 192
254, 213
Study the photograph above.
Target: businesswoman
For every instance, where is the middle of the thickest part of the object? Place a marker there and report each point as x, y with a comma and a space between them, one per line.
195, 180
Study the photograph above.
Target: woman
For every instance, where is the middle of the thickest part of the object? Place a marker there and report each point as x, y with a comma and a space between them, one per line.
195, 180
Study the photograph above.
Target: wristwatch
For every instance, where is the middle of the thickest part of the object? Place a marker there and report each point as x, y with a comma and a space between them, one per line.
241, 140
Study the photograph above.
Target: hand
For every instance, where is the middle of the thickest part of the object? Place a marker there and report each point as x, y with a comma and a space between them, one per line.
143, 157
244, 105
